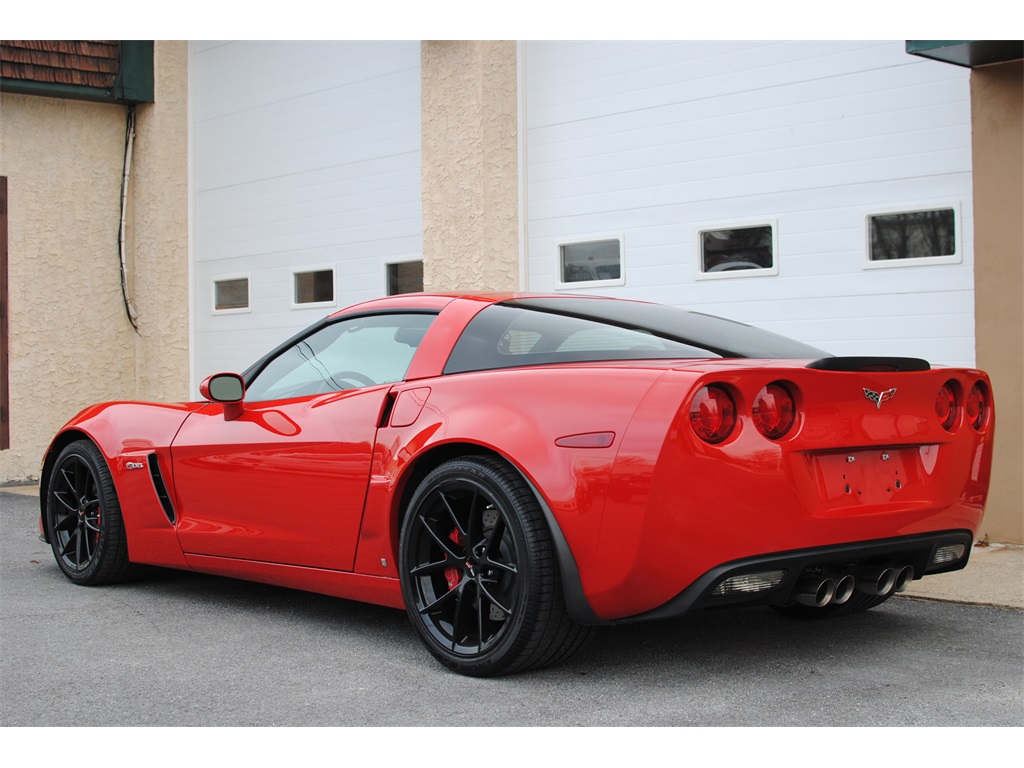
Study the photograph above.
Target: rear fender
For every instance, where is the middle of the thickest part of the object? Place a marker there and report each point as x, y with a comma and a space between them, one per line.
518, 416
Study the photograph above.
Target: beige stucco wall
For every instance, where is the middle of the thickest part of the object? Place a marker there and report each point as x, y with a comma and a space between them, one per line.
470, 166
997, 117
70, 342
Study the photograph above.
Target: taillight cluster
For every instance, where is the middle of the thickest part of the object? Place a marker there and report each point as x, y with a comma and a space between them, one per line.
976, 406
713, 412
774, 411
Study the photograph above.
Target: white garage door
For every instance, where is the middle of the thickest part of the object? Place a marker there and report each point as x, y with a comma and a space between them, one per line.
305, 184
821, 190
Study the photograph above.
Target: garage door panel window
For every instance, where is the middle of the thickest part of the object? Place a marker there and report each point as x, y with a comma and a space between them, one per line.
404, 277
913, 237
591, 263
739, 250
313, 288
231, 294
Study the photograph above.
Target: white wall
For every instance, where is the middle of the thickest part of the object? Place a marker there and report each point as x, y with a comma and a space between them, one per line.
652, 141
304, 155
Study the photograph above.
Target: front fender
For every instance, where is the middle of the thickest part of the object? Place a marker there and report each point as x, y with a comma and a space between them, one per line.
131, 436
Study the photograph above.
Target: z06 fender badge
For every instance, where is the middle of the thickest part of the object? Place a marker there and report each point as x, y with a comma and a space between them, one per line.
879, 397
134, 465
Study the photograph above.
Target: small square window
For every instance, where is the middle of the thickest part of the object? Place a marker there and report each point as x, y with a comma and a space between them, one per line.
405, 277
915, 236
592, 262
313, 287
231, 294
737, 251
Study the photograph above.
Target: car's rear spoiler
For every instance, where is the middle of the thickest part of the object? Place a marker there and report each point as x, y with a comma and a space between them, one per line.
871, 364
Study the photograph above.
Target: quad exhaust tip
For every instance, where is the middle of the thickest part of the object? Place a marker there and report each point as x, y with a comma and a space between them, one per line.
878, 581
819, 591
815, 591
844, 589
904, 577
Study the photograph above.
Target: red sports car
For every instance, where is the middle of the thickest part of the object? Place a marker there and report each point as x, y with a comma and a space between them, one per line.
516, 470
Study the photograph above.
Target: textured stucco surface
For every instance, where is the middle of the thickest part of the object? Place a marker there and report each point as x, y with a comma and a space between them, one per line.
70, 342
470, 166
997, 121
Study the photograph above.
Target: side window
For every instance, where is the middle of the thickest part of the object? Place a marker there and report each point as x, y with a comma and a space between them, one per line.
506, 337
348, 354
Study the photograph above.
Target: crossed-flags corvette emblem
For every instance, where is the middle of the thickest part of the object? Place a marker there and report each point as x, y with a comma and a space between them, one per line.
879, 397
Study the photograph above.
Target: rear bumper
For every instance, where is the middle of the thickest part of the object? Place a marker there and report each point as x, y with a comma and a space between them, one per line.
917, 551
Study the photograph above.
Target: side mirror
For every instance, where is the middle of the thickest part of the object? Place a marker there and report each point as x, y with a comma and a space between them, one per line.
225, 388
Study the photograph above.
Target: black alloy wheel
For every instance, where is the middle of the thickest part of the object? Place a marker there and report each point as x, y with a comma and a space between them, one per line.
83, 518
478, 570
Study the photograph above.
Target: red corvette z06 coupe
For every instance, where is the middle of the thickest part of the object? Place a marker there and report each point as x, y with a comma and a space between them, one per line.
516, 470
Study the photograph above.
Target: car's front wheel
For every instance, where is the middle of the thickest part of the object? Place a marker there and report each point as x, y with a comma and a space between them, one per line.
479, 574
83, 518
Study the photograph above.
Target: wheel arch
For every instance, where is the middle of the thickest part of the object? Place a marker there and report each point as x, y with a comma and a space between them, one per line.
60, 442
414, 473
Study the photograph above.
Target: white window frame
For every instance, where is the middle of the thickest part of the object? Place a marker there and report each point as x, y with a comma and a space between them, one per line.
234, 310
388, 263
956, 257
738, 274
586, 240
315, 304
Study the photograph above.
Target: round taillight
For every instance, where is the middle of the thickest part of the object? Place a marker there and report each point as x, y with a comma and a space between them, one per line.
945, 406
713, 414
977, 405
774, 411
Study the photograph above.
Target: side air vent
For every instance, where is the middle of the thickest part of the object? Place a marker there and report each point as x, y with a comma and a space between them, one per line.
385, 410
160, 487
871, 364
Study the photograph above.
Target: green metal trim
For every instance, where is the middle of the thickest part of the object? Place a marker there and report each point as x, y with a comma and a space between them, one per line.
55, 90
133, 84
968, 53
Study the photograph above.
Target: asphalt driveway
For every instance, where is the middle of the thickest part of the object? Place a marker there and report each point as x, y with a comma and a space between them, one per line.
182, 649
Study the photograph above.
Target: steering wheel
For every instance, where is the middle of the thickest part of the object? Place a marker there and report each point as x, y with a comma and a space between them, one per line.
363, 381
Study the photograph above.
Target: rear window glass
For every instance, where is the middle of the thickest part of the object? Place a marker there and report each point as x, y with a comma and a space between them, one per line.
574, 329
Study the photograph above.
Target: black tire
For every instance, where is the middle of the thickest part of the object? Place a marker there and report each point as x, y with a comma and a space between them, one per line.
858, 602
478, 570
83, 518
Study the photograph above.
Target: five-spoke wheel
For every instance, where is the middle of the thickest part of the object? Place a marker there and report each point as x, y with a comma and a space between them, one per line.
479, 575
83, 518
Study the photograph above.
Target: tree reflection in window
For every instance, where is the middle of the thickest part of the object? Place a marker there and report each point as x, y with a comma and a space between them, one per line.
912, 235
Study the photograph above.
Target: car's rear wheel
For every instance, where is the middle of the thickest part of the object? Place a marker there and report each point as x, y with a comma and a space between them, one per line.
479, 575
83, 518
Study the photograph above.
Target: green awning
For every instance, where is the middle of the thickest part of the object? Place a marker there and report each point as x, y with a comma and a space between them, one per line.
968, 53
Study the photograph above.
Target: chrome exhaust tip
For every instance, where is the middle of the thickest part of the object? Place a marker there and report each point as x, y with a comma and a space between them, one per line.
844, 589
814, 591
876, 581
904, 577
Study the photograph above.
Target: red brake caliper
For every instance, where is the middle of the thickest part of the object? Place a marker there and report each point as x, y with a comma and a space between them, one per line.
454, 575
